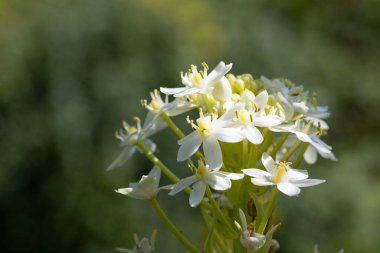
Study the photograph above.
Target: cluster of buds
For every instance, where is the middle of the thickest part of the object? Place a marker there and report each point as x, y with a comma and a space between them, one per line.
254, 133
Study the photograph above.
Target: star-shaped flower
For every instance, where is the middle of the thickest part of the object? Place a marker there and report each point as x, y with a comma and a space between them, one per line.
280, 174
204, 176
146, 188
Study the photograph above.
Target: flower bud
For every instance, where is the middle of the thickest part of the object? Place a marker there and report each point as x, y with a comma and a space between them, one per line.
222, 89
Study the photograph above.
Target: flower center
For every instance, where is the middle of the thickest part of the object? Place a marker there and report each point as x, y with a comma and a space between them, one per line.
244, 116
205, 126
281, 170
201, 172
156, 104
197, 80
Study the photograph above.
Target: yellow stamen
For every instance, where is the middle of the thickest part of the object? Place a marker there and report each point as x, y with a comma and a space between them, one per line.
280, 174
197, 79
243, 116
204, 126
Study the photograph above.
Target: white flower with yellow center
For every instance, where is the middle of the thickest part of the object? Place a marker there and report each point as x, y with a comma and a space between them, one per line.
246, 122
204, 175
130, 135
287, 180
209, 131
306, 133
199, 82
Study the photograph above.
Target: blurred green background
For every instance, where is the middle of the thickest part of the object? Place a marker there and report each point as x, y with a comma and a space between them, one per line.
71, 71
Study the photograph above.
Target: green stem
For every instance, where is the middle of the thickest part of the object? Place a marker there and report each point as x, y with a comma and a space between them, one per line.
268, 138
278, 145
290, 152
177, 131
172, 126
299, 159
268, 210
245, 154
215, 206
157, 162
165, 169
172, 227
252, 160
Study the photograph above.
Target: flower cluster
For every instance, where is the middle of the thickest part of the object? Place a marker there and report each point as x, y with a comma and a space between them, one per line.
249, 140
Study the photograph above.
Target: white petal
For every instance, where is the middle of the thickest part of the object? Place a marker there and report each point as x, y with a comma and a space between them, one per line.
261, 182
308, 182
156, 174
188, 91
230, 135
267, 121
253, 135
124, 156
218, 182
293, 174
213, 153
197, 193
189, 146
243, 220
302, 136
288, 189
262, 99
172, 91
183, 184
233, 176
268, 163
220, 70
257, 173
310, 155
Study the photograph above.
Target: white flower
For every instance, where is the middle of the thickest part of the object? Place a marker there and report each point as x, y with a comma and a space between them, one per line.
248, 238
246, 122
143, 246
202, 83
209, 130
217, 180
130, 135
286, 179
305, 133
146, 188
157, 106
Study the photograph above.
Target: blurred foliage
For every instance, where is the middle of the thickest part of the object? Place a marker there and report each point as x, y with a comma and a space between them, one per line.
71, 71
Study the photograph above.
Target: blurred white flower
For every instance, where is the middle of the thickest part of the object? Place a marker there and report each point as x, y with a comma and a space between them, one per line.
217, 180
143, 246
146, 188
130, 135
248, 238
305, 133
287, 180
202, 83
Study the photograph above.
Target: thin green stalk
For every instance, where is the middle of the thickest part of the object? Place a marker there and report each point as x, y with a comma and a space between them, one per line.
217, 210
165, 169
279, 143
299, 158
290, 152
172, 125
245, 154
172, 227
268, 210
252, 160
177, 131
157, 162
268, 138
